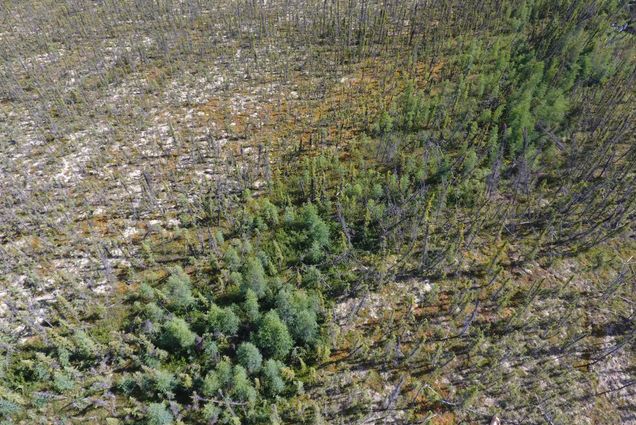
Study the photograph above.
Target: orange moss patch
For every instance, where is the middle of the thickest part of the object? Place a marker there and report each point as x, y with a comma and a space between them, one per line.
445, 418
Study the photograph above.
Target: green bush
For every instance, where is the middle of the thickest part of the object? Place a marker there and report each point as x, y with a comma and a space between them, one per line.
153, 312
304, 327
273, 336
211, 412
211, 384
269, 212
210, 351
250, 306
298, 311
8, 409
223, 320
127, 384
249, 357
236, 279
313, 278
146, 292
158, 414
271, 376
159, 381
315, 233
177, 334
217, 379
232, 260
84, 344
254, 277
178, 289
62, 381
242, 388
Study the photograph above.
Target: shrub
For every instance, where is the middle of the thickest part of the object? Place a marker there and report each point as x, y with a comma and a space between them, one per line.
8, 408
273, 337
254, 277
84, 345
63, 356
314, 253
146, 292
223, 320
249, 357
271, 376
268, 264
269, 212
211, 412
127, 384
285, 305
298, 311
236, 279
153, 312
242, 389
304, 327
217, 379
211, 384
41, 369
62, 382
177, 334
160, 381
312, 278
232, 260
158, 414
224, 372
250, 306
179, 289
315, 233
210, 351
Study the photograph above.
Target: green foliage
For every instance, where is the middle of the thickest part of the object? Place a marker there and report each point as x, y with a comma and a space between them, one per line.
178, 289
269, 212
219, 378
313, 278
211, 412
242, 388
273, 337
254, 277
158, 414
223, 320
304, 327
299, 312
159, 381
153, 312
146, 292
127, 384
62, 381
232, 260
212, 384
251, 307
84, 344
177, 334
249, 357
210, 351
470, 161
8, 408
384, 124
313, 236
272, 376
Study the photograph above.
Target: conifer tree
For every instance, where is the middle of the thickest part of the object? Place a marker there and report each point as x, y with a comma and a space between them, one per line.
272, 336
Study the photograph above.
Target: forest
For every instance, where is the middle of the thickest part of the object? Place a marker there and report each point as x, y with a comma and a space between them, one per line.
317, 212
